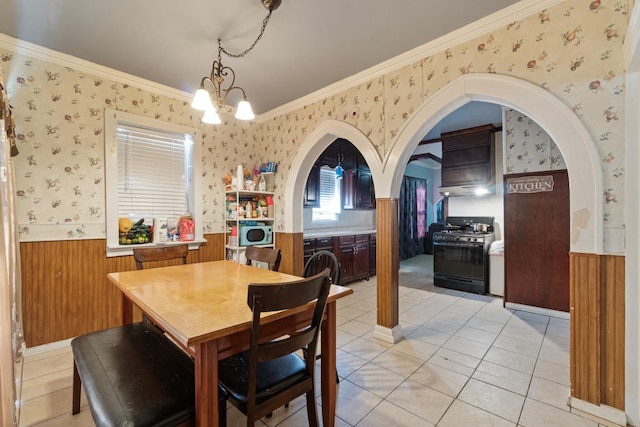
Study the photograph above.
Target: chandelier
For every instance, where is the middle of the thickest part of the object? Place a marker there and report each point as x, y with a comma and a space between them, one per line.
216, 100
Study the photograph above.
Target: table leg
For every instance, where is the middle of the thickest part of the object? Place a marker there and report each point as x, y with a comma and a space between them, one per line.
328, 366
127, 311
206, 373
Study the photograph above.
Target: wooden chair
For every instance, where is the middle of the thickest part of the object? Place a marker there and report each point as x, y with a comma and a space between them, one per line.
271, 373
321, 260
318, 262
160, 253
266, 255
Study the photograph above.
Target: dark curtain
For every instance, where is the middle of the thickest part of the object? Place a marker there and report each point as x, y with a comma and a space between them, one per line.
413, 216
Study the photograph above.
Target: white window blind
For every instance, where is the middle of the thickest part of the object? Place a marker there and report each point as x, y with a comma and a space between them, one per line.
329, 196
153, 172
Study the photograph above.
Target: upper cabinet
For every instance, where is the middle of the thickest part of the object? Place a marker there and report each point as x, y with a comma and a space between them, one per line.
357, 182
312, 189
365, 192
468, 157
340, 152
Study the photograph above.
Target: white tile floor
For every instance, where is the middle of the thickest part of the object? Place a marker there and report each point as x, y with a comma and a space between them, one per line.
465, 361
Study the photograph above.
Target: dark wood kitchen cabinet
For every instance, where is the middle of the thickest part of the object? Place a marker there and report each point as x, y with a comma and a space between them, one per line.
365, 192
353, 255
313, 245
537, 241
340, 152
312, 188
358, 191
357, 181
356, 254
309, 247
468, 156
349, 195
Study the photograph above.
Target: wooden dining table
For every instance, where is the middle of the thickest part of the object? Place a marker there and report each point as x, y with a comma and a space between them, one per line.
203, 308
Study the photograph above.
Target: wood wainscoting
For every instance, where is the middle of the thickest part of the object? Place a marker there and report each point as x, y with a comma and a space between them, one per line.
292, 250
597, 328
65, 290
388, 262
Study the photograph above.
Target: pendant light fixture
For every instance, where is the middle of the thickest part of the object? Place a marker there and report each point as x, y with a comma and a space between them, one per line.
215, 100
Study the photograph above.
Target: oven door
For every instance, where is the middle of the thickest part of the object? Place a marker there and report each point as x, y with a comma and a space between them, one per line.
462, 260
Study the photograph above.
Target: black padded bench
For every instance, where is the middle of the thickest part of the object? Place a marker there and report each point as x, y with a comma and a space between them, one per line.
135, 376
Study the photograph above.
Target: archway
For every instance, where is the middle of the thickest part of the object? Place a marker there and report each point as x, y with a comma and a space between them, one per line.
319, 139
545, 109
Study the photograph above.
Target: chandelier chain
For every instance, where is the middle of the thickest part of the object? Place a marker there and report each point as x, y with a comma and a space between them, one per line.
265, 21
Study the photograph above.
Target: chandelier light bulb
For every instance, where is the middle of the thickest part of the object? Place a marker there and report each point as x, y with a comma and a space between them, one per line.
244, 111
211, 116
202, 100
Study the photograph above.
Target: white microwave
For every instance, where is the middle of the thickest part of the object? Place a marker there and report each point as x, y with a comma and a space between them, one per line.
249, 235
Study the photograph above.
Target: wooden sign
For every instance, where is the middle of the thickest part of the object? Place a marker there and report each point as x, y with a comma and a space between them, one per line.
530, 184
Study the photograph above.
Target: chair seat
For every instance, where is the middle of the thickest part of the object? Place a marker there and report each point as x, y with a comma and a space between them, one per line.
134, 376
273, 375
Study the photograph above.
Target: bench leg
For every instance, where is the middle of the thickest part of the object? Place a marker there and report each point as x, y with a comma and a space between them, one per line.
77, 385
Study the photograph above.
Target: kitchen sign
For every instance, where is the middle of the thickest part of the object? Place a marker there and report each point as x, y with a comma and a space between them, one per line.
530, 184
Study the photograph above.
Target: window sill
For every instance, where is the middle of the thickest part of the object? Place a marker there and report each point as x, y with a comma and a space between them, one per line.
120, 250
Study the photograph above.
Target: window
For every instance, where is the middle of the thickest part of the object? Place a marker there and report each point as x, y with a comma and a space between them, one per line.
150, 171
329, 196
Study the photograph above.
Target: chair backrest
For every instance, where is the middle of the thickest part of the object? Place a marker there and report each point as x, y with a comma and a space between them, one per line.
321, 260
265, 297
266, 255
161, 253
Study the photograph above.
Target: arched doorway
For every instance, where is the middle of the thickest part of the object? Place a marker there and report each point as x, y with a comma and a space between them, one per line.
557, 119
319, 139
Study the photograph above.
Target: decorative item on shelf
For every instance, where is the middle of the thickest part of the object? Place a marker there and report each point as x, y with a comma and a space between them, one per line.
230, 181
233, 237
202, 99
262, 184
240, 177
270, 213
249, 185
268, 167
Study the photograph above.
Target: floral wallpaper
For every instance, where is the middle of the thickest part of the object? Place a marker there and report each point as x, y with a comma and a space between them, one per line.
528, 147
574, 50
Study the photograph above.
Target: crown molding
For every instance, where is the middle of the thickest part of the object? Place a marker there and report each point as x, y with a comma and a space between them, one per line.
45, 54
475, 29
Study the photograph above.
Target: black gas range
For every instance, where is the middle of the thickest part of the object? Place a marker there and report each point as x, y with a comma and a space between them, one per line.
460, 254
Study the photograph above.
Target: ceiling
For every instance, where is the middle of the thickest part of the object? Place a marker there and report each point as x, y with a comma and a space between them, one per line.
308, 44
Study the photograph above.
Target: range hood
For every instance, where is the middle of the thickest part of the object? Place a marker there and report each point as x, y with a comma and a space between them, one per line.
468, 190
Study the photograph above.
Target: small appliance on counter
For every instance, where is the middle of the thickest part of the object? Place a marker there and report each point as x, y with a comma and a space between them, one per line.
460, 254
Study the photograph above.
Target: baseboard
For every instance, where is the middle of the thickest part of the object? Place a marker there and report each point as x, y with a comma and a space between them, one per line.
390, 335
47, 347
602, 414
537, 310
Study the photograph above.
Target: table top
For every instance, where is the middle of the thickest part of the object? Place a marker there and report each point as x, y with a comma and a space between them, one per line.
199, 302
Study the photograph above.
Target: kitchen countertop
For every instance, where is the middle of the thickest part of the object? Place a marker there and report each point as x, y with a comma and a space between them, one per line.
332, 232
